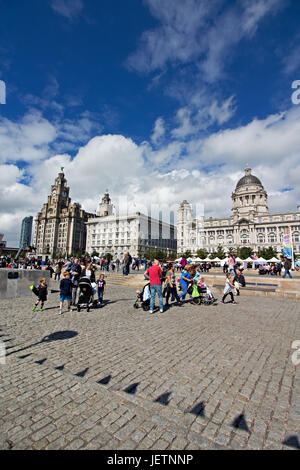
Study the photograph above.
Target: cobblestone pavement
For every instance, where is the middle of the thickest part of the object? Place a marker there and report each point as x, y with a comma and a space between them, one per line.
193, 377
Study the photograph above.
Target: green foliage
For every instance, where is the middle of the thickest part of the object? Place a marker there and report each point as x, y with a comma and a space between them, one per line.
108, 256
267, 253
152, 254
95, 253
220, 253
172, 256
187, 254
245, 252
202, 253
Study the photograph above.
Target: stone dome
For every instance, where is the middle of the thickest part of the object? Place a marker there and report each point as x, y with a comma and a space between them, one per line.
248, 179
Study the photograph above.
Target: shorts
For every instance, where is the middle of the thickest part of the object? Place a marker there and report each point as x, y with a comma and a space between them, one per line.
65, 297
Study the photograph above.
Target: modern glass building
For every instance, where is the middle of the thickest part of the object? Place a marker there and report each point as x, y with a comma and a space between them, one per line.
26, 231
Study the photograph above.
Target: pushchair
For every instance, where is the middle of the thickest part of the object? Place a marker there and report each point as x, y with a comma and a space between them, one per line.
86, 294
143, 298
201, 296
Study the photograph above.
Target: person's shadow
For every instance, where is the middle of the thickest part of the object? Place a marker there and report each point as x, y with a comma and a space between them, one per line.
57, 336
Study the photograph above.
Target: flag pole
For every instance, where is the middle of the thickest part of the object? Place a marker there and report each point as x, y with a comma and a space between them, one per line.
293, 262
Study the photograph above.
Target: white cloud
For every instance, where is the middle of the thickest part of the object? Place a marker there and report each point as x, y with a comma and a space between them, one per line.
34, 137
27, 140
201, 170
158, 131
70, 9
201, 114
198, 30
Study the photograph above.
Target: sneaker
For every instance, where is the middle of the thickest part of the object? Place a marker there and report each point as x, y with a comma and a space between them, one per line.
33, 309
151, 311
60, 312
161, 311
235, 303
41, 309
222, 302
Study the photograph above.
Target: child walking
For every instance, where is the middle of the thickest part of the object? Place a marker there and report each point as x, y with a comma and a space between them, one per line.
228, 286
101, 284
65, 287
42, 293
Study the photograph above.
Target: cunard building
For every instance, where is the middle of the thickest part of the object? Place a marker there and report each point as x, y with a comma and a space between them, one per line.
135, 233
251, 224
60, 226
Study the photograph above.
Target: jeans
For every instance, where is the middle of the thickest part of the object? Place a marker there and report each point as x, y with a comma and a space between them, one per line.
74, 294
100, 295
287, 271
183, 293
156, 289
57, 275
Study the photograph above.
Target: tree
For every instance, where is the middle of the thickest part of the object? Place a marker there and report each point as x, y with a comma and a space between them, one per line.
244, 252
187, 254
202, 253
95, 253
220, 253
172, 256
152, 254
267, 253
108, 256
232, 251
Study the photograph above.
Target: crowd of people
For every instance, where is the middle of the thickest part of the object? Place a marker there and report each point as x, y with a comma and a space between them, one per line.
161, 277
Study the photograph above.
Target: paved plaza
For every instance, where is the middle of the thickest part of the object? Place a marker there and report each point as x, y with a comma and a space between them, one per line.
193, 377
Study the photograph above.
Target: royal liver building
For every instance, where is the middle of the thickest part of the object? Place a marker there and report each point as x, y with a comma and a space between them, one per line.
250, 224
60, 226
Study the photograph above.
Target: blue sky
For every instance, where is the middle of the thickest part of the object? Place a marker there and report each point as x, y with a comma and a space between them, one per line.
158, 99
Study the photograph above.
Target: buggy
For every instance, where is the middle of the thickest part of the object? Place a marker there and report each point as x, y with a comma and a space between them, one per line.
86, 294
201, 296
143, 298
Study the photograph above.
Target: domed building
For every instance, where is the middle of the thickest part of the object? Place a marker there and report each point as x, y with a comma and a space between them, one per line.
250, 224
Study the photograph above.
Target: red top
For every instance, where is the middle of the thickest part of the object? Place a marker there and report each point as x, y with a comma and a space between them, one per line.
154, 274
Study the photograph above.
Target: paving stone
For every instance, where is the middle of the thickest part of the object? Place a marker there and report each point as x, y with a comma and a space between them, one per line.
233, 363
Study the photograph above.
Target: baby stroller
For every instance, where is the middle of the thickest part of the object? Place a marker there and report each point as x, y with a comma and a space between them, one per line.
143, 298
86, 294
201, 295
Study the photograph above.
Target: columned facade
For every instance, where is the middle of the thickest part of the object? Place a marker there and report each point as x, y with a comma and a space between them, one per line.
251, 223
134, 233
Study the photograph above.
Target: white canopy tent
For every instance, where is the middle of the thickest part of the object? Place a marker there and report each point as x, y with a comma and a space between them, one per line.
260, 261
274, 260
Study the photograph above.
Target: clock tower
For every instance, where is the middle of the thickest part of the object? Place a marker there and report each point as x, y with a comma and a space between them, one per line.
60, 226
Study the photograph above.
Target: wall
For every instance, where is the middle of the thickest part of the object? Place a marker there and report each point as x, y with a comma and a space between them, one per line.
13, 288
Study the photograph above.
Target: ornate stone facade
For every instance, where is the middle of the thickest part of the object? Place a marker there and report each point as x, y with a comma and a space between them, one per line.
135, 233
251, 223
60, 226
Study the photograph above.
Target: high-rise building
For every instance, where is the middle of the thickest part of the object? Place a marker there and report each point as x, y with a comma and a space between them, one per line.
26, 232
60, 226
251, 224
